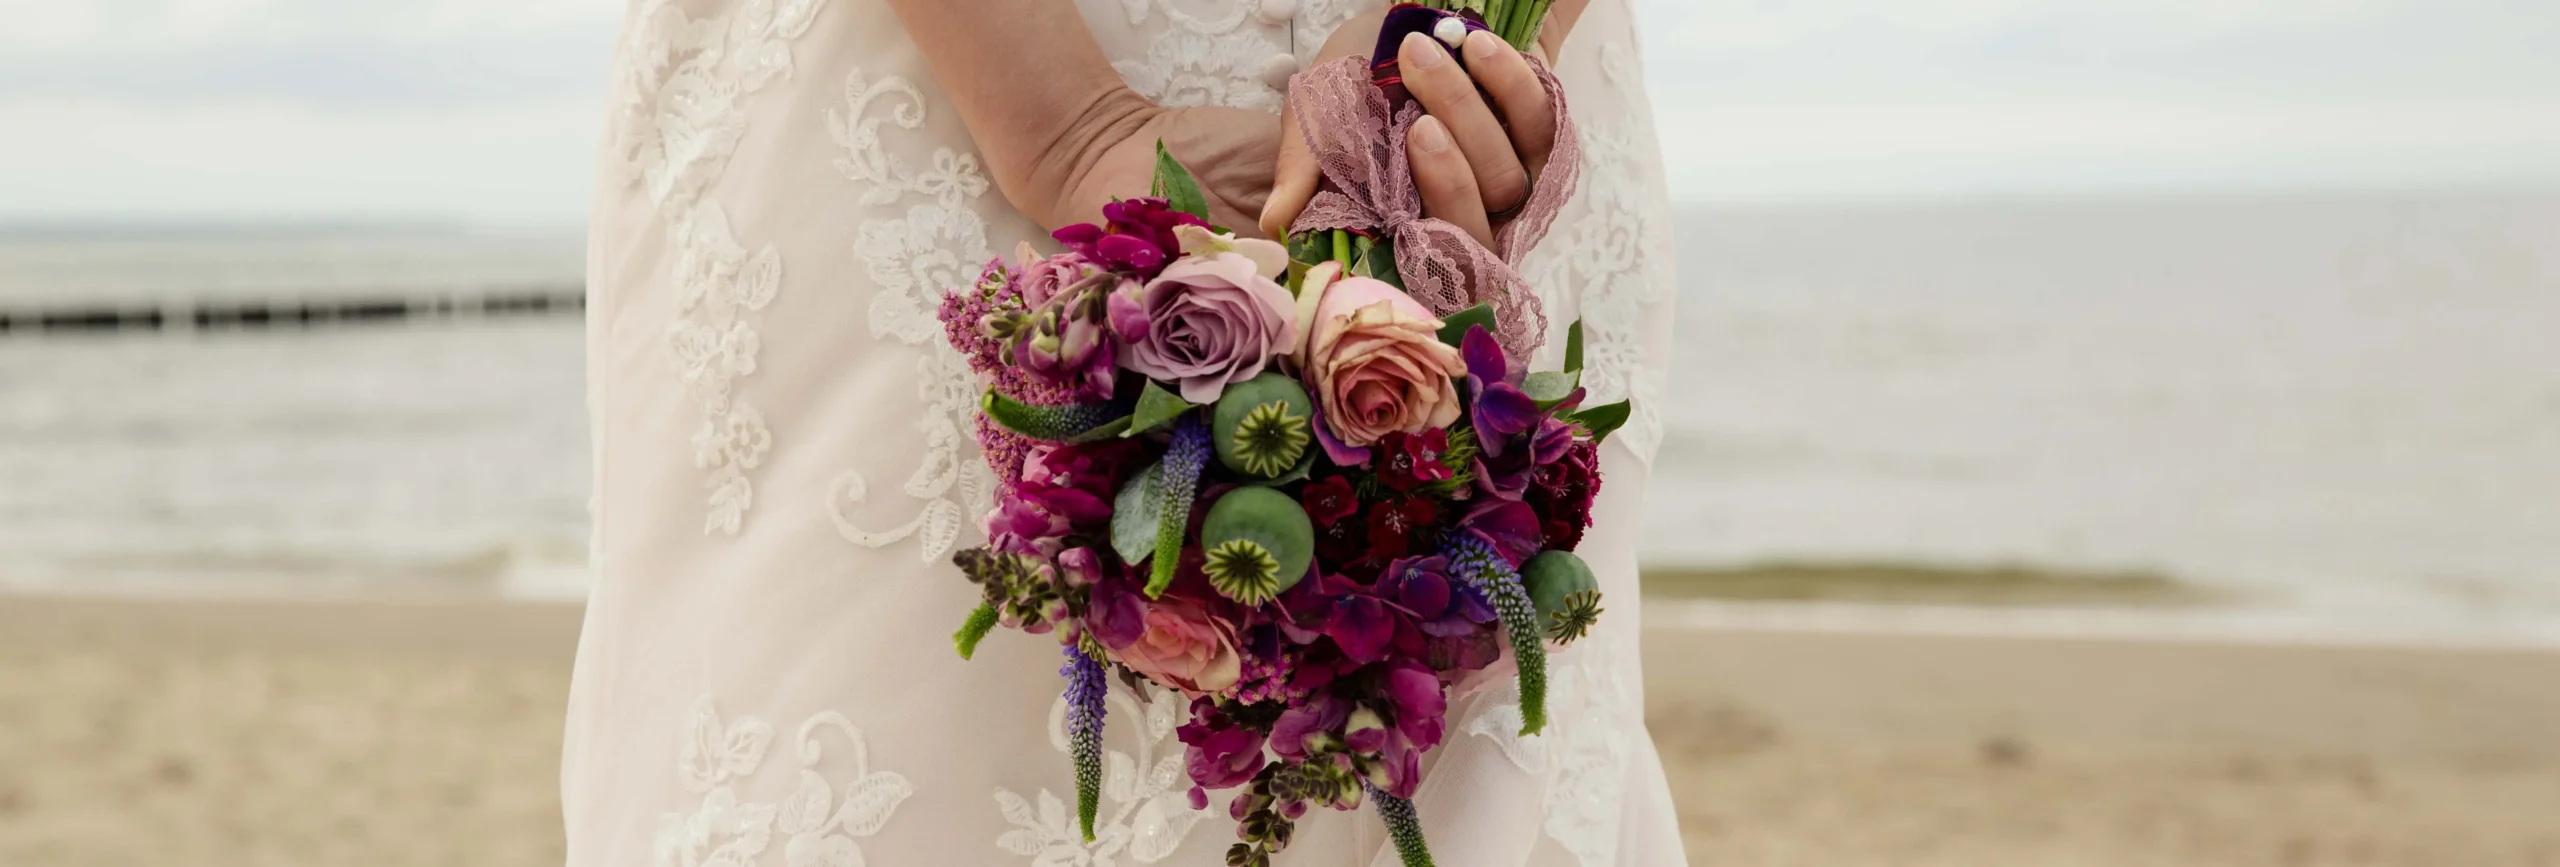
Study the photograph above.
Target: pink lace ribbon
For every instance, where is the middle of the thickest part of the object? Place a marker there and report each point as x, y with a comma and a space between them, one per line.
1358, 141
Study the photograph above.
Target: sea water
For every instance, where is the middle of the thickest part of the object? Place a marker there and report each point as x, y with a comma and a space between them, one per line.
2348, 406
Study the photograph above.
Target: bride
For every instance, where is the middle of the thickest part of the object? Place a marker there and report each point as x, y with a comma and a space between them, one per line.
782, 457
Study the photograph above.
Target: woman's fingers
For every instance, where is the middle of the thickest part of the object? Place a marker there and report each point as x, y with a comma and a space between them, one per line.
1446, 92
1506, 76
1448, 183
1293, 181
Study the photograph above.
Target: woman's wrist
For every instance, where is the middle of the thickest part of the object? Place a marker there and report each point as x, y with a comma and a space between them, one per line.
1049, 182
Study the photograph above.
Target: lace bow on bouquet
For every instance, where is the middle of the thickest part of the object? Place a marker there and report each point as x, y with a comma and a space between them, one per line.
1309, 500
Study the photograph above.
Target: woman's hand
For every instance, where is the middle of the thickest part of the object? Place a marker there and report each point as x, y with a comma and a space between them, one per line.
1474, 161
1061, 133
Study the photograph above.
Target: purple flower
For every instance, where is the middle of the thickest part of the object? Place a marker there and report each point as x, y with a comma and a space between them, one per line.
1309, 728
1501, 409
1442, 606
1222, 753
1206, 321
1421, 705
1067, 340
1136, 238
1115, 613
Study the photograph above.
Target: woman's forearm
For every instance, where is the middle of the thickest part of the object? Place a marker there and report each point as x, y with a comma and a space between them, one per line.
1031, 84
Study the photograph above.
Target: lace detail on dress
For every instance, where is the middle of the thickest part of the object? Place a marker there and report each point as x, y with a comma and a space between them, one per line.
1581, 757
821, 820
1608, 263
1194, 61
912, 259
688, 79
1146, 808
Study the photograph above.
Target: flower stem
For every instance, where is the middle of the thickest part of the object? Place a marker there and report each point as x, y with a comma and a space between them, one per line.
1342, 247
1403, 826
980, 622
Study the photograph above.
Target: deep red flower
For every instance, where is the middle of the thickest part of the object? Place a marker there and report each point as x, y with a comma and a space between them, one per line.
1561, 494
1408, 461
1329, 500
1401, 527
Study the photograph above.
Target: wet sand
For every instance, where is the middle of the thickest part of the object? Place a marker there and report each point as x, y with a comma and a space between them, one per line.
384, 733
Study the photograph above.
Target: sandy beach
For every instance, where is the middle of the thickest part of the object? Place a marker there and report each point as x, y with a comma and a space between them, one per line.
389, 733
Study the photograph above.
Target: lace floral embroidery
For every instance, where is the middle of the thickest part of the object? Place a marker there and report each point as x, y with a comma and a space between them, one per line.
821, 821
688, 79
1582, 755
1599, 263
911, 258
1146, 810
1195, 61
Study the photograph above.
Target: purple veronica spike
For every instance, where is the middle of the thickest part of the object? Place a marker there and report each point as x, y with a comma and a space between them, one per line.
1183, 461
1085, 692
1490, 574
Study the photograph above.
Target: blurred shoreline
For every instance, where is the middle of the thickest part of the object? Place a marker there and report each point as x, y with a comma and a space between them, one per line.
332, 731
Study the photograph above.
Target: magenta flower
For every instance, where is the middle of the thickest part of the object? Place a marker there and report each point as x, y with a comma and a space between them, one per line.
1136, 238
1205, 322
1075, 483
1222, 752
1509, 527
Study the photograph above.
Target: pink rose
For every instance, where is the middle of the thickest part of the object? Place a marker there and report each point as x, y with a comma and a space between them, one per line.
1205, 322
1377, 364
1185, 647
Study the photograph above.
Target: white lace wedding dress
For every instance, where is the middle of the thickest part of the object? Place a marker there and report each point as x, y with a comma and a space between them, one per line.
783, 468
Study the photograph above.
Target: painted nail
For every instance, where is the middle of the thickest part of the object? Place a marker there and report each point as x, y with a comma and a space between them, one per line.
1422, 52
1428, 133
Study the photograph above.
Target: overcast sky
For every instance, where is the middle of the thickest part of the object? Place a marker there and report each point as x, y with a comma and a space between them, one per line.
489, 110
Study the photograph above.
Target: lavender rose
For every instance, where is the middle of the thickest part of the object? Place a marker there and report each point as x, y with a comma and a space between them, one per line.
1205, 322
1377, 364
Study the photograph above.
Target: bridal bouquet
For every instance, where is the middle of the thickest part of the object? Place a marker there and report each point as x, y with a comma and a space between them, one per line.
1272, 478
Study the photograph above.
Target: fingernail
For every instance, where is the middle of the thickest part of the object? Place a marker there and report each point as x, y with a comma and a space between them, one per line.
1423, 52
1428, 133
1481, 44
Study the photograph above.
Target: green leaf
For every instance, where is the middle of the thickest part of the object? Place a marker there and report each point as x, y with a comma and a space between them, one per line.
1135, 514
1156, 407
1550, 387
1453, 330
1379, 263
1573, 347
1100, 432
1311, 248
1175, 184
1602, 420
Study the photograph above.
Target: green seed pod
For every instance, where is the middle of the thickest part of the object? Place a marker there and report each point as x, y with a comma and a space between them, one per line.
1260, 426
1565, 592
1259, 543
